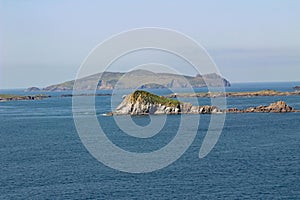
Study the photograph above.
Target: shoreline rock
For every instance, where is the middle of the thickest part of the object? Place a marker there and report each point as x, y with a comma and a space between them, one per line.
277, 107
297, 88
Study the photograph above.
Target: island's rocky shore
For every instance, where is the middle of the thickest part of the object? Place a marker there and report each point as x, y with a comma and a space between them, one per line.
297, 88
235, 94
144, 103
8, 97
11, 97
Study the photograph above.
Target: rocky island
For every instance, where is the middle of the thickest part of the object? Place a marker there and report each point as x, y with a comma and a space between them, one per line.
109, 80
297, 88
235, 94
145, 103
10, 97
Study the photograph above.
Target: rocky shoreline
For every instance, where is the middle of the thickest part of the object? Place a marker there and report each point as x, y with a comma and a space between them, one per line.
297, 88
235, 94
11, 97
145, 103
8, 97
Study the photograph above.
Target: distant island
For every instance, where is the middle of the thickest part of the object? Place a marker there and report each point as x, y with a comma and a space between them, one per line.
145, 103
235, 94
109, 80
10, 97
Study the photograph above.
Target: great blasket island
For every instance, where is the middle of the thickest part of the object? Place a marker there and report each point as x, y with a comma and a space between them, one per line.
109, 80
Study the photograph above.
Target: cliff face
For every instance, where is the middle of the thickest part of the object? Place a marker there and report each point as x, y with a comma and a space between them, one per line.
143, 103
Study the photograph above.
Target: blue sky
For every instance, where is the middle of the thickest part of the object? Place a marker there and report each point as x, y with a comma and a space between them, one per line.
44, 42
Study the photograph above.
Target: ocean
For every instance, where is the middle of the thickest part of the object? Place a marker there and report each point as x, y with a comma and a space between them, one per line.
256, 157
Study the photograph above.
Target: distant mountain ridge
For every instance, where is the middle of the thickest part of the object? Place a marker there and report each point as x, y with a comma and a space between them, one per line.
110, 80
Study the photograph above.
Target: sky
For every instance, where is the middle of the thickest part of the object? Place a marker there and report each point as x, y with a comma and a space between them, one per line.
45, 42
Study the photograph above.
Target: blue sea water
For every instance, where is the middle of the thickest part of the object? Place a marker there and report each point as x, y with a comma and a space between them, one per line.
256, 157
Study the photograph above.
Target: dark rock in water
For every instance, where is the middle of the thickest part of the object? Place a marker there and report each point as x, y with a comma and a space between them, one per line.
8, 97
277, 107
297, 88
32, 89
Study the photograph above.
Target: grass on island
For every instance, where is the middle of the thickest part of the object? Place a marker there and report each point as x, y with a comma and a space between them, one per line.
148, 97
7, 96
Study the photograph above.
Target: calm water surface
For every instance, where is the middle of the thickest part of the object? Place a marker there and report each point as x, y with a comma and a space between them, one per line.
256, 157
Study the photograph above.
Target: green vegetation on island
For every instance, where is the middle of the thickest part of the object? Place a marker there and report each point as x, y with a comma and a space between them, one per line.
12, 97
112, 80
149, 98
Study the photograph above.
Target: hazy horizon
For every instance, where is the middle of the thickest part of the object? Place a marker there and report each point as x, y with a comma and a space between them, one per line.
44, 42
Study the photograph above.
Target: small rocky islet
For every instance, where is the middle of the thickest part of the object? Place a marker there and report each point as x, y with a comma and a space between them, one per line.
236, 94
297, 88
145, 103
10, 97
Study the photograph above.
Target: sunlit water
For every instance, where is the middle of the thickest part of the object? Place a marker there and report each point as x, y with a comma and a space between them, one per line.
257, 155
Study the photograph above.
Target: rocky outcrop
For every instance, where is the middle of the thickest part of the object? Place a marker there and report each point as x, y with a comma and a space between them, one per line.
144, 103
187, 108
297, 88
235, 94
7, 97
278, 107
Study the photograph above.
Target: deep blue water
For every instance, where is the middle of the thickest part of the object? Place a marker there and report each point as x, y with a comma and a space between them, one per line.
256, 157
